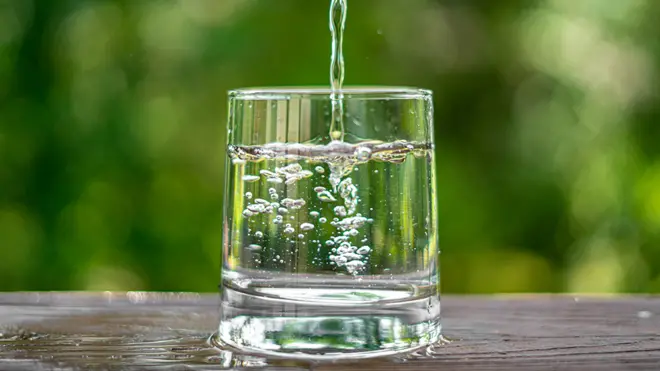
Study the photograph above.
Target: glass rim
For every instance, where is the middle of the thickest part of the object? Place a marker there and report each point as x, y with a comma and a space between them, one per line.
321, 92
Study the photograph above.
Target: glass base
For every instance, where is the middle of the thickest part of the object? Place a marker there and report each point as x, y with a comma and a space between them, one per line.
320, 329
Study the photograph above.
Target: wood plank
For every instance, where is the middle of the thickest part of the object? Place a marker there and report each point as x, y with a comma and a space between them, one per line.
488, 333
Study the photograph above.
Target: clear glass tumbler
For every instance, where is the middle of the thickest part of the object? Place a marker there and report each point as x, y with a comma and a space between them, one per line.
330, 247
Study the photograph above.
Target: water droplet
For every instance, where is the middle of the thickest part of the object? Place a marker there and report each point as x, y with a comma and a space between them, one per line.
248, 195
319, 169
250, 178
326, 197
306, 226
364, 250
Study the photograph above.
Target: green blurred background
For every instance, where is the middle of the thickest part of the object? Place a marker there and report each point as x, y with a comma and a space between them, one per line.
113, 114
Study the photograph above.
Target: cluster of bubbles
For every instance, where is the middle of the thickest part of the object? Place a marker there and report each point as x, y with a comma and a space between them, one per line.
289, 174
344, 253
260, 206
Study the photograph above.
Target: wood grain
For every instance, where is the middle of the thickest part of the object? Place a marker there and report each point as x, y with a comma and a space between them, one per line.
534, 332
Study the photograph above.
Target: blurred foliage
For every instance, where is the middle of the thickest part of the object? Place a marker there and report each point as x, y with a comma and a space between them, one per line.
112, 133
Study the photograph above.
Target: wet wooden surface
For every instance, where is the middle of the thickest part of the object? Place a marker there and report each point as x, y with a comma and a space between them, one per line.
535, 332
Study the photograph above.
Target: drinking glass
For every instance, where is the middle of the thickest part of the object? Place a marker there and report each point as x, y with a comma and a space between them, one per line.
330, 246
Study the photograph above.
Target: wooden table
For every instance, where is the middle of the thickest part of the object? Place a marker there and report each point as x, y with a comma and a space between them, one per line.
137, 330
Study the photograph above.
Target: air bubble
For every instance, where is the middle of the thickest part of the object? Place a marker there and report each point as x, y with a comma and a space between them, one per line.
340, 211
250, 178
306, 227
364, 250
352, 256
283, 210
268, 174
262, 201
258, 234
289, 230
291, 180
247, 213
256, 208
320, 189
301, 236
323, 220
254, 247
363, 154
306, 174
272, 190
274, 196
248, 195
329, 243
319, 169
354, 266
326, 197
238, 161
314, 214
274, 180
